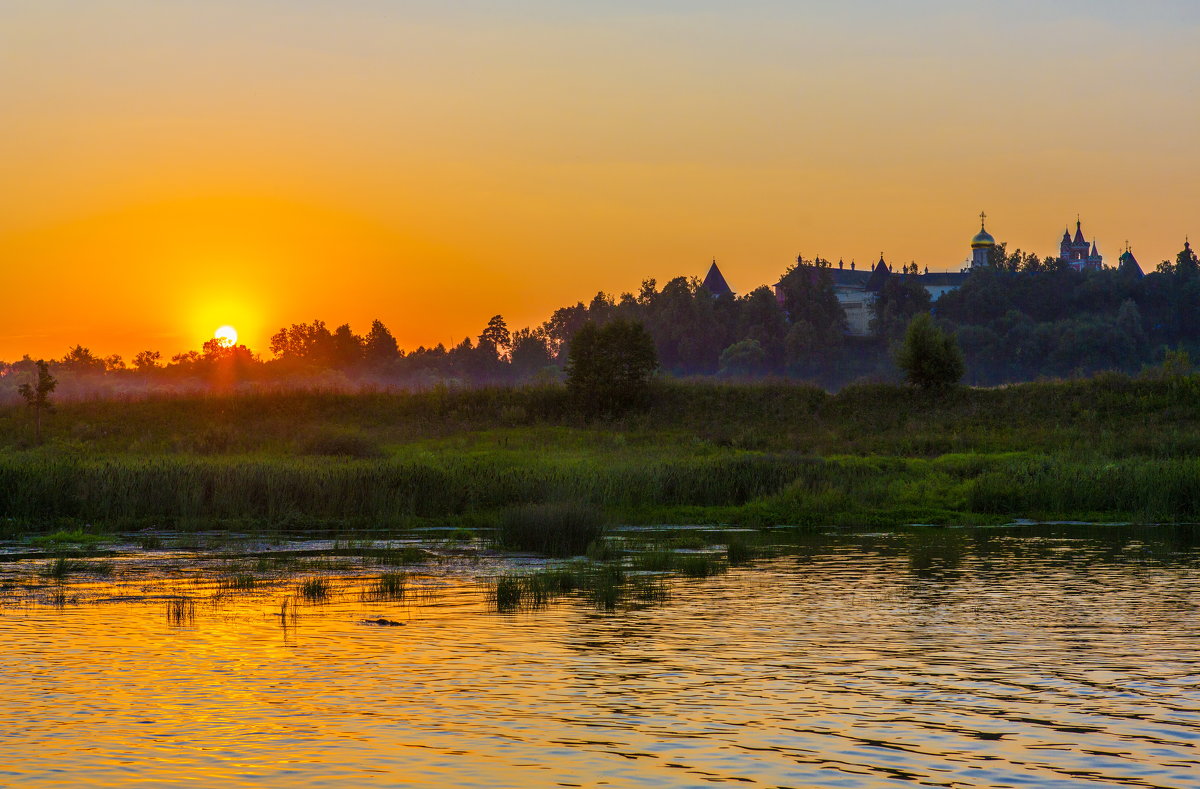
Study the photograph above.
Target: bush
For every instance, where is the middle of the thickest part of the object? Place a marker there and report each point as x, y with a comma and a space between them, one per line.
930, 358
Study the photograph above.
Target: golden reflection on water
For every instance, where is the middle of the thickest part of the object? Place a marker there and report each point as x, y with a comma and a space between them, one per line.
865, 662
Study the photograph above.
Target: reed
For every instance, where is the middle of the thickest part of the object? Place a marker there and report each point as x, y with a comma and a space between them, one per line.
314, 590
389, 587
551, 529
181, 611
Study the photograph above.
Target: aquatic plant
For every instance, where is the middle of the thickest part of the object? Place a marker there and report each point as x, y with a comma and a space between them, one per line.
560, 529
389, 587
698, 565
62, 567
181, 610
314, 590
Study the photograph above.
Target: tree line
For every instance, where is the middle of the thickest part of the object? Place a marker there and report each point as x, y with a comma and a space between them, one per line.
1019, 318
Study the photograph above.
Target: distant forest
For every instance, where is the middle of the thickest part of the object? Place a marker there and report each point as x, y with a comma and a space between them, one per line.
1020, 318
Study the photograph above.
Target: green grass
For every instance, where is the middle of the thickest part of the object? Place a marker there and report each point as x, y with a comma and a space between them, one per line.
1108, 448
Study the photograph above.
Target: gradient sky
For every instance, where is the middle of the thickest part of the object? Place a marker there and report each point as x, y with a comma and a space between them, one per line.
167, 167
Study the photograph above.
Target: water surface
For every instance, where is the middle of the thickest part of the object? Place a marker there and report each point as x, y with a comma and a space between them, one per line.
1032, 657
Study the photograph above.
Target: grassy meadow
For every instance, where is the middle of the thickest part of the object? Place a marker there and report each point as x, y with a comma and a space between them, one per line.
1110, 448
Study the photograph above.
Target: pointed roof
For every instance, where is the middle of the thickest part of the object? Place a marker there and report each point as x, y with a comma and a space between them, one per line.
1128, 263
878, 276
1079, 239
1066, 236
715, 282
1094, 252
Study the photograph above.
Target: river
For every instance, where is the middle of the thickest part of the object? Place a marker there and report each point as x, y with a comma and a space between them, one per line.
1048, 656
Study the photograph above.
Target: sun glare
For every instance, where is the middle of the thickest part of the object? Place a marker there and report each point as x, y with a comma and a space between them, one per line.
227, 336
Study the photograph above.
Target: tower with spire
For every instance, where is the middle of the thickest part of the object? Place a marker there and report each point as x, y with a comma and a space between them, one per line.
1077, 252
981, 244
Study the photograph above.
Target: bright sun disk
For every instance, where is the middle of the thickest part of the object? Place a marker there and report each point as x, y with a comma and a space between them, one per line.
227, 335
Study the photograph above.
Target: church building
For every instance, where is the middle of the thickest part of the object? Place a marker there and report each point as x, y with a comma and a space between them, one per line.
1077, 252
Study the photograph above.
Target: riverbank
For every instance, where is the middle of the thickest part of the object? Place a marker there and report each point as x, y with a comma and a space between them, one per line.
1104, 449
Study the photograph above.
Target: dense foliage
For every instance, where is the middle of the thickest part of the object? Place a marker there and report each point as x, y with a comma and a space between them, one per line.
929, 357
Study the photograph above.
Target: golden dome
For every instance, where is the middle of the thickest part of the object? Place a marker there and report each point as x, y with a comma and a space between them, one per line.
983, 239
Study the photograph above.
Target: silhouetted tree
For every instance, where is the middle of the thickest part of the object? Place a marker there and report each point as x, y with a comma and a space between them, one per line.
145, 361
379, 347
530, 353
610, 367
81, 361
496, 332
37, 395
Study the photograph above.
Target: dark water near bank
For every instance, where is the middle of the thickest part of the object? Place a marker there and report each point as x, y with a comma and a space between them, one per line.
1034, 657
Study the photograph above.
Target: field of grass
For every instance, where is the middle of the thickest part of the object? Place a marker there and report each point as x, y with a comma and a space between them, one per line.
1107, 448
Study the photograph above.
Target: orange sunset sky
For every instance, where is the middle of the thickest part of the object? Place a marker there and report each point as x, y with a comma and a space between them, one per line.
168, 167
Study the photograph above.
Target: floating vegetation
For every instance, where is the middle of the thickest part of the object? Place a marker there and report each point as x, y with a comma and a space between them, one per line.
314, 590
181, 611
149, 542
62, 538
407, 554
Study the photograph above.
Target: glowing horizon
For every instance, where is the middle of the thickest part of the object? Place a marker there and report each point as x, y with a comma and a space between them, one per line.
173, 168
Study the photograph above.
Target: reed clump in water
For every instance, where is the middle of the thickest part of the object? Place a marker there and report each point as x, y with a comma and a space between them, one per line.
181, 610
550, 529
62, 567
315, 590
388, 587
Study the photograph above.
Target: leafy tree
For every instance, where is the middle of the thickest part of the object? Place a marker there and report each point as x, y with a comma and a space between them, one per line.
900, 299
610, 367
81, 360
346, 348
379, 346
37, 395
929, 357
745, 358
530, 353
145, 361
818, 322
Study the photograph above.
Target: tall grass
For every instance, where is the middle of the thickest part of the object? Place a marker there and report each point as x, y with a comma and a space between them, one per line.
552, 529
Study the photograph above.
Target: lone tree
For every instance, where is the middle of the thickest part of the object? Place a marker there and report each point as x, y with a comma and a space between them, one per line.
929, 357
37, 396
609, 367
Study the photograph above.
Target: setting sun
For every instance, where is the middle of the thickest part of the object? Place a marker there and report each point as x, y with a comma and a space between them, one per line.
227, 335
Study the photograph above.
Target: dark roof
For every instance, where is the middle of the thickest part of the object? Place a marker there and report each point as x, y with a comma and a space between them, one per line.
1129, 264
942, 278
845, 278
715, 282
878, 276
1079, 239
